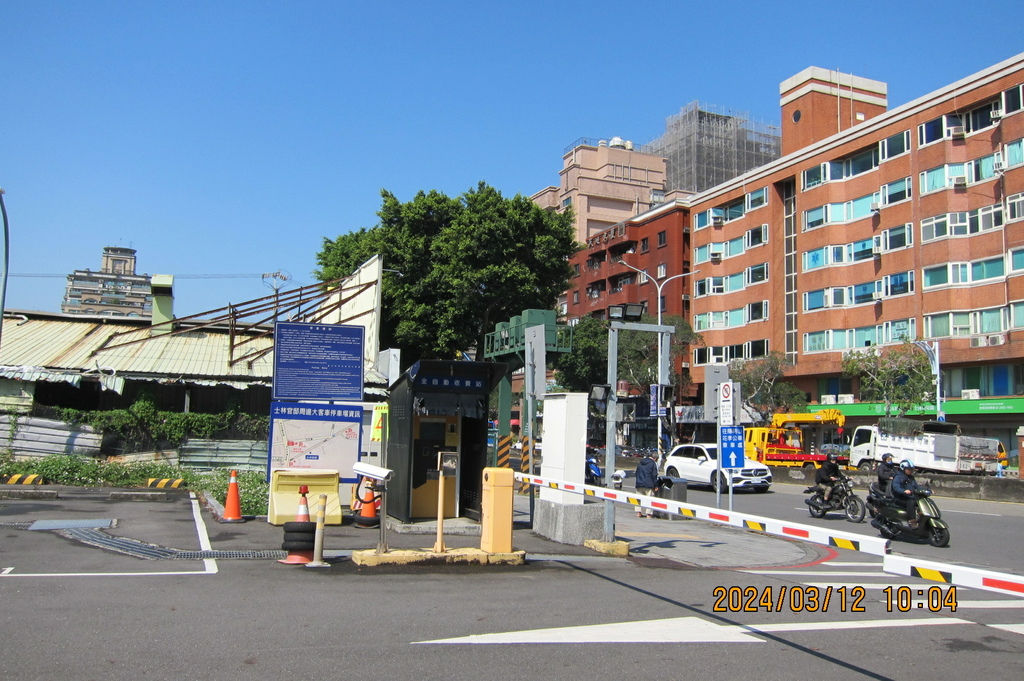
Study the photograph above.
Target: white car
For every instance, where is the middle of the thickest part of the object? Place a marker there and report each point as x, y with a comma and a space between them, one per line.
697, 464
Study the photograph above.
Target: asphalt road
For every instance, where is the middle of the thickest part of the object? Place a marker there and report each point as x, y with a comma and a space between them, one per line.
72, 610
984, 534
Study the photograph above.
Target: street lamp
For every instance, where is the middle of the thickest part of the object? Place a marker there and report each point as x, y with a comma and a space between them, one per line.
932, 350
662, 359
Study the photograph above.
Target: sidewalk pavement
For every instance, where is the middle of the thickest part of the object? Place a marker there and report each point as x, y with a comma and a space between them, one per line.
147, 516
688, 542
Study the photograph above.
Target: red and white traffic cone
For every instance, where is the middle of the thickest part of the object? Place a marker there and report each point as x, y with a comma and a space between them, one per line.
300, 536
232, 503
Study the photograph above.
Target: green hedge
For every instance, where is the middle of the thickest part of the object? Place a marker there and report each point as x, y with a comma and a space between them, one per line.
84, 471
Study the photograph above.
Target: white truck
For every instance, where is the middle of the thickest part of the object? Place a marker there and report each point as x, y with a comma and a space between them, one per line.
932, 446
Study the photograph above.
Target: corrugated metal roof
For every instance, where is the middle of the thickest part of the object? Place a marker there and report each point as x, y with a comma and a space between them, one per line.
80, 345
48, 346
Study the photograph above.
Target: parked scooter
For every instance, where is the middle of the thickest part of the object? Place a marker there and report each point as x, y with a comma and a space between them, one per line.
594, 475
842, 499
892, 520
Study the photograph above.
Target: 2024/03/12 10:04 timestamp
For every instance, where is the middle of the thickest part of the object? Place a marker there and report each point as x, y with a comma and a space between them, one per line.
815, 599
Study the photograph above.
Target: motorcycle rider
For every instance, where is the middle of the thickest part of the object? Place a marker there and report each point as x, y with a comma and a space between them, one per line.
887, 470
905, 488
827, 476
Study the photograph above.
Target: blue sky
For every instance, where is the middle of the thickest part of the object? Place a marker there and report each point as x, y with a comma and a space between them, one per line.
227, 138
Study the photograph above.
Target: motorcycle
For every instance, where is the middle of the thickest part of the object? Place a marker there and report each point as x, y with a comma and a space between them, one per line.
594, 475
842, 499
892, 520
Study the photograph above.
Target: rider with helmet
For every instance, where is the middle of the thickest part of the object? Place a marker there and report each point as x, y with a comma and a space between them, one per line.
905, 487
827, 476
887, 470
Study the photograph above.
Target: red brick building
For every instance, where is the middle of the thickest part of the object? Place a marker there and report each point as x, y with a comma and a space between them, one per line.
875, 226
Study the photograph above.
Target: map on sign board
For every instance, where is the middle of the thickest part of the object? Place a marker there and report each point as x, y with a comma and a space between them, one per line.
307, 435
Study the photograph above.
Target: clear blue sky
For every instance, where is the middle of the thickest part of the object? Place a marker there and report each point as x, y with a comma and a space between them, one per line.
231, 137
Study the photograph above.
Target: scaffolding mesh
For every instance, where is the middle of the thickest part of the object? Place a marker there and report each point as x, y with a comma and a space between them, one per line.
705, 146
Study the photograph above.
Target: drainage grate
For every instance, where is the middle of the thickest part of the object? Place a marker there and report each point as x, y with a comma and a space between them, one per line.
69, 524
251, 555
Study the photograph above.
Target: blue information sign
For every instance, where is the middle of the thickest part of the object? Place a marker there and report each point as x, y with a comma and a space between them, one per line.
318, 361
732, 447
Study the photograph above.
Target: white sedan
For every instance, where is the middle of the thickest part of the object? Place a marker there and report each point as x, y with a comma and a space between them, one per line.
697, 463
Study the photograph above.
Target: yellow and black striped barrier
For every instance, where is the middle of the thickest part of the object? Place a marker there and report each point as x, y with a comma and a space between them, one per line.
503, 459
24, 479
166, 483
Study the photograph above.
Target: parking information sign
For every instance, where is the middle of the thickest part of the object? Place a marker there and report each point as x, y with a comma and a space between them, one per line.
732, 447
318, 361
725, 411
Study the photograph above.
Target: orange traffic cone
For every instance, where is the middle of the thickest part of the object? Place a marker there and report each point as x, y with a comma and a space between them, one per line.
300, 551
232, 503
367, 516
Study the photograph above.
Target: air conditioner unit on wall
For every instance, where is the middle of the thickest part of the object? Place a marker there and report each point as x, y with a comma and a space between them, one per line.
996, 114
998, 166
979, 341
876, 207
827, 399
877, 295
959, 180
844, 399
717, 220
973, 394
996, 339
956, 131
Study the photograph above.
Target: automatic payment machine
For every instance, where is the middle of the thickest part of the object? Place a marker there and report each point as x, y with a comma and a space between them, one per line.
438, 406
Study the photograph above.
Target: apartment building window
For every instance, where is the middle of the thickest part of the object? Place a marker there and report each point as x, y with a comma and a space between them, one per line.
981, 117
895, 145
662, 239
756, 236
567, 203
575, 297
1015, 153
757, 273
1017, 259
897, 191
757, 199
955, 324
1012, 99
898, 284
757, 311
644, 245
895, 237
863, 293
726, 353
962, 223
937, 129
576, 269
734, 210
662, 270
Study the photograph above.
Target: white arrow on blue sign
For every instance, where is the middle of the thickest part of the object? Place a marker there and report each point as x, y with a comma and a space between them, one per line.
732, 447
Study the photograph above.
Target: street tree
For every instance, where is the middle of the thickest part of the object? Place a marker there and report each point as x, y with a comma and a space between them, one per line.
762, 389
898, 376
466, 263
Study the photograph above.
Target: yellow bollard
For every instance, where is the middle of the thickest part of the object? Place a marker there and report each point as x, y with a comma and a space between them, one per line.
496, 510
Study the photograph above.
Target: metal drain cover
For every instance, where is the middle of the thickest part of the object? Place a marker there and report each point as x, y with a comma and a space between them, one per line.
69, 524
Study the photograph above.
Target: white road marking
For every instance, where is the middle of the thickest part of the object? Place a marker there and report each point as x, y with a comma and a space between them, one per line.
1012, 628
834, 573
677, 630
839, 563
994, 515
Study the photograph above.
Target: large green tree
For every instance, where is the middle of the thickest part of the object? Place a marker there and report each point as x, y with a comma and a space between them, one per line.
898, 376
762, 389
466, 263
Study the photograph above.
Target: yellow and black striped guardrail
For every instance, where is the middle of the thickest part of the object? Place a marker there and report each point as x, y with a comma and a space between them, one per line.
166, 483
503, 459
24, 479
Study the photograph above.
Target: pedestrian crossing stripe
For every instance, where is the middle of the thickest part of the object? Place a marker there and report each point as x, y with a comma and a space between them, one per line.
931, 575
753, 525
841, 543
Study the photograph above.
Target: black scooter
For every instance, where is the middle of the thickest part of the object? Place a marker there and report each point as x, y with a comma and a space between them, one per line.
891, 519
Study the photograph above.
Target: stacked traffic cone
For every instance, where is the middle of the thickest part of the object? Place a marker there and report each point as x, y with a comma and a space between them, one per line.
299, 536
232, 503
367, 516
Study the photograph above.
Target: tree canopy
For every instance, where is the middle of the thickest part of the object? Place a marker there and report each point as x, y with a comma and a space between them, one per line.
899, 376
761, 388
587, 364
466, 263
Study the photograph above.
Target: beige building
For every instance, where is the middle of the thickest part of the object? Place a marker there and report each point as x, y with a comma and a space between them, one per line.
114, 291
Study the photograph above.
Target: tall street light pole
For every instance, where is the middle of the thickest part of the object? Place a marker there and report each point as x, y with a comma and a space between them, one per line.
932, 350
662, 358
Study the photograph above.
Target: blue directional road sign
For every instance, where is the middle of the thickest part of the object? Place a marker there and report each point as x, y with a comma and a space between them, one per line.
732, 447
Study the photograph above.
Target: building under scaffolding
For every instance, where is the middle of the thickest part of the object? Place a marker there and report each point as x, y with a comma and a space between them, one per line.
706, 146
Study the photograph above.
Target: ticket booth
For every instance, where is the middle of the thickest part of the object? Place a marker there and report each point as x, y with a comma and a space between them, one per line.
438, 406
